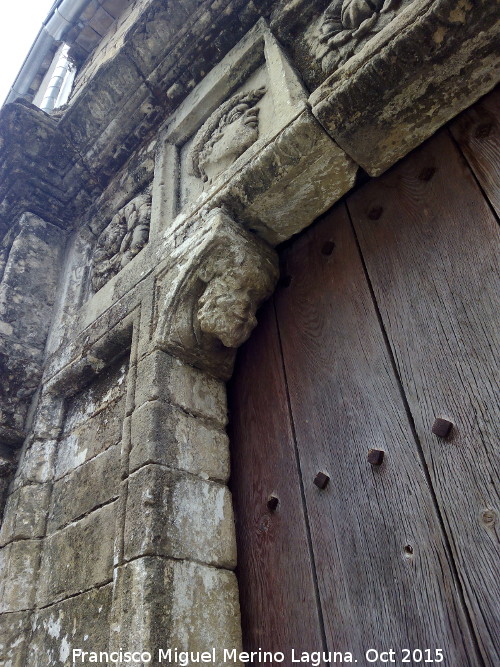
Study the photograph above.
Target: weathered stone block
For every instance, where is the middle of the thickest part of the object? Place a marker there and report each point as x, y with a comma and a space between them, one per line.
108, 387
91, 438
19, 567
292, 181
162, 434
8, 464
80, 622
25, 310
115, 7
25, 514
161, 24
14, 638
36, 464
81, 491
78, 557
161, 603
49, 417
205, 609
22, 317
20, 370
142, 603
178, 515
101, 21
160, 376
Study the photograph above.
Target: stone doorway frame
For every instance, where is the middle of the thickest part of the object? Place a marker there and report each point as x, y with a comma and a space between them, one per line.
179, 360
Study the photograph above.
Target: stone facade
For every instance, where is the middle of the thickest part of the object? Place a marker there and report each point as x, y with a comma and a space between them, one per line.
138, 228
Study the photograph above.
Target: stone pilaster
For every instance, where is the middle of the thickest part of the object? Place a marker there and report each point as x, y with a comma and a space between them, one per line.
174, 581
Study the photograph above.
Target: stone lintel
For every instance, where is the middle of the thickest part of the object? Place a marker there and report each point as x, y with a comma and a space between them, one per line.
428, 64
293, 180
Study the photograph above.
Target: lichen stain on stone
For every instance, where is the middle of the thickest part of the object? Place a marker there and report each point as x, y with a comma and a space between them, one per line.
439, 35
220, 505
458, 15
54, 628
64, 651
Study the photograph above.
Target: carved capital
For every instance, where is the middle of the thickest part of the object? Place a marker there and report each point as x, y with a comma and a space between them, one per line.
206, 308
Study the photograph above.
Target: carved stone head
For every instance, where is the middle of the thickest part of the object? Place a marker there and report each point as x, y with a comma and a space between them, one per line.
226, 135
227, 306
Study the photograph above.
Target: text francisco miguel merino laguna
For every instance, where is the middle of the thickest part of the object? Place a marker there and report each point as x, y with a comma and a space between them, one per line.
214, 656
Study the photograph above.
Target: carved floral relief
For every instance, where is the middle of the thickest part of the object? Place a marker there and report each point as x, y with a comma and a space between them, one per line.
344, 24
121, 240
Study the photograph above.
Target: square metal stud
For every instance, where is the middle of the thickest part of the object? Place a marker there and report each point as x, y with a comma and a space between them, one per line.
321, 480
376, 457
442, 427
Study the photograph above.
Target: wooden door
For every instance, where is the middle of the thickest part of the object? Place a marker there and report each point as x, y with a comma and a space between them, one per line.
386, 318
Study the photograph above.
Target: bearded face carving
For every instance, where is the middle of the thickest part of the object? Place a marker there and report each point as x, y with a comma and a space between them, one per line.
227, 309
226, 135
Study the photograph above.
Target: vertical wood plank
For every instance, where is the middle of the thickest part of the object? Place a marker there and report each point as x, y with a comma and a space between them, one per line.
278, 599
477, 131
430, 243
383, 569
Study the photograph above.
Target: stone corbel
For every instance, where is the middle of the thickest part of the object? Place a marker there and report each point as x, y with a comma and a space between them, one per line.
206, 303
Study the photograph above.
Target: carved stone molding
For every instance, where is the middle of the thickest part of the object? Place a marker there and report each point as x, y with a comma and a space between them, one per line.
432, 61
206, 304
121, 240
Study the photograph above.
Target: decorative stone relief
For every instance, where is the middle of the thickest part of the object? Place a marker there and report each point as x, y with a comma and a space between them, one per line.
226, 135
345, 24
431, 61
121, 240
206, 302
229, 118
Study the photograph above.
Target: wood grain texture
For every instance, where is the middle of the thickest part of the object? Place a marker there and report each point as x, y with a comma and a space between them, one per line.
383, 569
432, 259
278, 601
477, 131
